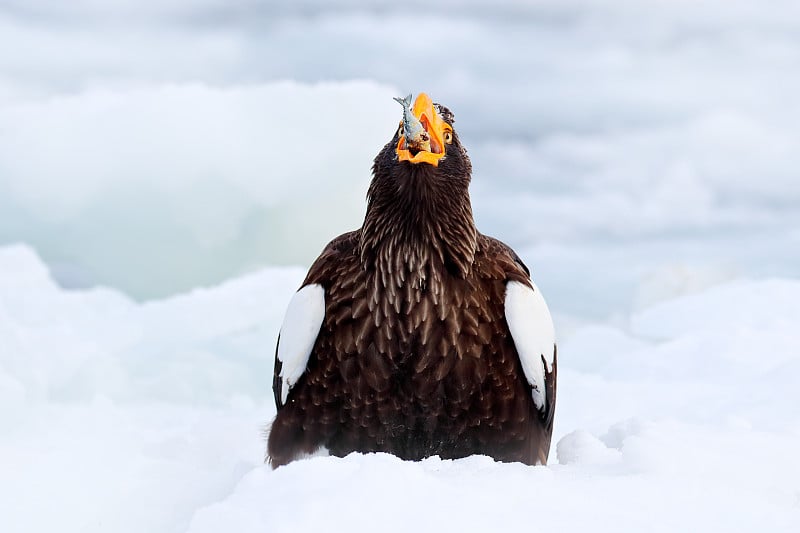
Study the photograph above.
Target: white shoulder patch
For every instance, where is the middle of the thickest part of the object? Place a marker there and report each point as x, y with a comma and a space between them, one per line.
532, 329
299, 333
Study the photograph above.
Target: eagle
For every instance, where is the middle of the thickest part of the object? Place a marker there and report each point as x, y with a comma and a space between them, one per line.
416, 335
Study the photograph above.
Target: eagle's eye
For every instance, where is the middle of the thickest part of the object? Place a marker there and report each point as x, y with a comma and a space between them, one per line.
448, 137
400, 129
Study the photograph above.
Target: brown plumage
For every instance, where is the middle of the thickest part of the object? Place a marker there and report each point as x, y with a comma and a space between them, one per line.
414, 355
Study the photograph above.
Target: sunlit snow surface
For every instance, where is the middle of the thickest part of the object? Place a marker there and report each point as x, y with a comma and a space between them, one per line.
117, 416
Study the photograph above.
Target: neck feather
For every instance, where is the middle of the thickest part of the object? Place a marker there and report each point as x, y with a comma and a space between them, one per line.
416, 228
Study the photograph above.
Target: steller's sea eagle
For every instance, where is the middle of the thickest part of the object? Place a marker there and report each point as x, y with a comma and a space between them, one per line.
416, 335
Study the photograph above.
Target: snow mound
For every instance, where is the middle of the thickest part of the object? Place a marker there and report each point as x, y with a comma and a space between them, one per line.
70, 346
755, 306
653, 484
581, 447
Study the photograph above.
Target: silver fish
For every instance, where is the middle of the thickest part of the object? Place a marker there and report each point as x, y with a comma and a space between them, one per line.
413, 130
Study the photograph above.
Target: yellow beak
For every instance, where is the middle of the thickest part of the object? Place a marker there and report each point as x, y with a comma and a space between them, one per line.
429, 152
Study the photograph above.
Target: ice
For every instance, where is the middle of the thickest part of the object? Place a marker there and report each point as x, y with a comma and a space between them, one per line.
190, 176
123, 416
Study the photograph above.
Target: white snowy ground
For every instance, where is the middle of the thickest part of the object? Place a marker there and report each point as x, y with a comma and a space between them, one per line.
125, 417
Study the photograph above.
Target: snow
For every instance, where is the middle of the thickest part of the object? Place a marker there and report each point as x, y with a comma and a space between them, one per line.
120, 416
108, 402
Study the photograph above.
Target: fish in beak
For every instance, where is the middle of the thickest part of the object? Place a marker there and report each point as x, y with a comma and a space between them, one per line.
424, 132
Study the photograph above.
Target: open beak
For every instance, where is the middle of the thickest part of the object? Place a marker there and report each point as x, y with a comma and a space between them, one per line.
429, 146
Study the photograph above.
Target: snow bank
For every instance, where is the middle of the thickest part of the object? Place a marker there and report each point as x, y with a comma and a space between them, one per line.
75, 346
118, 416
670, 477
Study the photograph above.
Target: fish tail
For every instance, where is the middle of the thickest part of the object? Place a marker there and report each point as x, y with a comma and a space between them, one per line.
405, 102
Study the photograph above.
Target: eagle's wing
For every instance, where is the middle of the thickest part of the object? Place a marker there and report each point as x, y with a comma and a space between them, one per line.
532, 330
297, 337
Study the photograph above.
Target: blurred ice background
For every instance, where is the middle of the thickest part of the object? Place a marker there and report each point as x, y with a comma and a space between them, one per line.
628, 148
169, 169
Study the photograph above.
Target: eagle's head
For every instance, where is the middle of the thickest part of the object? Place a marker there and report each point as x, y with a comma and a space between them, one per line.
437, 154
418, 200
